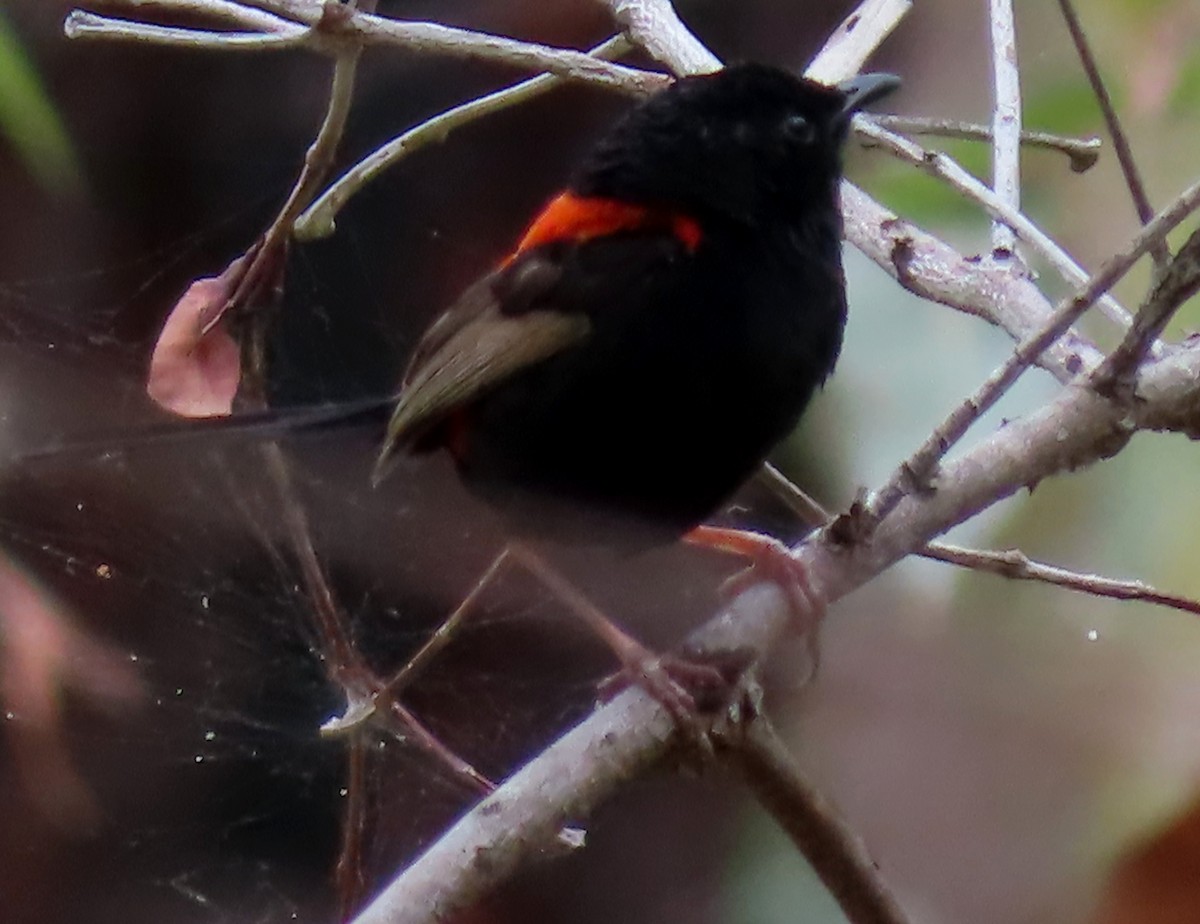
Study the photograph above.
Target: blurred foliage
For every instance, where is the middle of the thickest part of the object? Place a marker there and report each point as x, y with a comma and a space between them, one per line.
29, 120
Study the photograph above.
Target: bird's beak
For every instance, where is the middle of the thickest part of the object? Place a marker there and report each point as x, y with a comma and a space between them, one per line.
865, 89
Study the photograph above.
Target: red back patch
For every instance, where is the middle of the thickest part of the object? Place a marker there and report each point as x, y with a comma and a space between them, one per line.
579, 218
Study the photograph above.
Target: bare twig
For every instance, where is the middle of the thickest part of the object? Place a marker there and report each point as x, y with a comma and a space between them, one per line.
1009, 563
318, 220
349, 875
1133, 179
463, 43
344, 664
1178, 281
1082, 152
81, 24
225, 12
945, 168
1015, 564
833, 850
1006, 121
917, 471
313, 29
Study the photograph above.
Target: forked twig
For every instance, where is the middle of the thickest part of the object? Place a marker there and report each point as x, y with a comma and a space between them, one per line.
318, 219
917, 471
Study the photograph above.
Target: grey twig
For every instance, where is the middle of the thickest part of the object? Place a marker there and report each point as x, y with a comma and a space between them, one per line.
945, 168
318, 220
1082, 152
1133, 178
916, 473
81, 24
1016, 565
1176, 282
1009, 563
331, 28
1006, 121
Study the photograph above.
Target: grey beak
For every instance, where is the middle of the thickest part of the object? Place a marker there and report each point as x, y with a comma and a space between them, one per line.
865, 89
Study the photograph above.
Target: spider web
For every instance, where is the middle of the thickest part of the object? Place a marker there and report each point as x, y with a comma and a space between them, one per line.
166, 763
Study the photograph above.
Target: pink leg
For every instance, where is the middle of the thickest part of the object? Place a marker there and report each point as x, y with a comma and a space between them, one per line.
663, 678
770, 560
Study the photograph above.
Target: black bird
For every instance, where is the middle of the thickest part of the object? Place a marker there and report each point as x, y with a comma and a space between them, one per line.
660, 326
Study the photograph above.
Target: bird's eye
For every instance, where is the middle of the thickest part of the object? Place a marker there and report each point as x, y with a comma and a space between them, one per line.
798, 130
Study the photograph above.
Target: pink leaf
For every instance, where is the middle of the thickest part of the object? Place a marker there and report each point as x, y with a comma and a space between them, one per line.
196, 367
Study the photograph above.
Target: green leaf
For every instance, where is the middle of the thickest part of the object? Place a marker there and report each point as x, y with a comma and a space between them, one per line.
29, 120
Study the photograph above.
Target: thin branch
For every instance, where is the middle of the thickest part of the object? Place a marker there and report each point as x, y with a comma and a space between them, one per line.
318, 220
463, 43
1009, 563
1082, 152
332, 29
1133, 179
1006, 121
229, 12
916, 472
945, 168
349, 874
81, 24
834, 851
1016, 565
1178, 281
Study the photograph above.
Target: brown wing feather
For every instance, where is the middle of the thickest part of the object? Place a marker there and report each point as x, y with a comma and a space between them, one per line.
474, 347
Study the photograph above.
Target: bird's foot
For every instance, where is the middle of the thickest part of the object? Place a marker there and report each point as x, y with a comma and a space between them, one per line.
770, 560
692, 687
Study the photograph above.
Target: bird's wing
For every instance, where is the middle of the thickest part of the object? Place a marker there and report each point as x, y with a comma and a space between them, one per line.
481, 341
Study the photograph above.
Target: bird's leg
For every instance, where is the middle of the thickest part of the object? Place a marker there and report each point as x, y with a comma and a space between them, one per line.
773, 561
445, 632
667, 678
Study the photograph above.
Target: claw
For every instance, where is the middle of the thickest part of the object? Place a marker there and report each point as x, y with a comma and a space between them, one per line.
770, 560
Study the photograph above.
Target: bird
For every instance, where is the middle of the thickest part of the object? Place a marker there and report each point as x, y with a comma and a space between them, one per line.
659, 326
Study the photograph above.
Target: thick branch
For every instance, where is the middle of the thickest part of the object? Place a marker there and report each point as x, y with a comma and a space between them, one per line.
942, 167
932, 269
655, 26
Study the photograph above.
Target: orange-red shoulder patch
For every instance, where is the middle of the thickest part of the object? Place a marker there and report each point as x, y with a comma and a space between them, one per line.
579, 218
